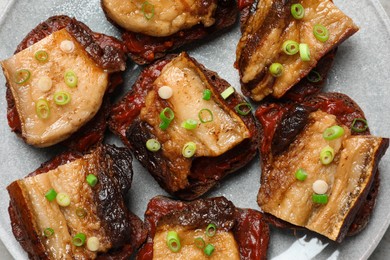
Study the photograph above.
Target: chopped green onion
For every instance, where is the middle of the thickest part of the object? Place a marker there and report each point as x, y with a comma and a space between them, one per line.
42, 108
63, 199
297, 11
205, 115
320, 198
227, 92
304, 51
41, 56
327, 155
70, 78
211, 230
301, 174
173, 241
321, 32
243, 108
199, 242
207, 94
93, 244
48, 232
290, 47
51, 195
61, 98
148, 10
21, 76
189, 149
314, 76
333, 132
92, 180
189, 124
81, 213
276, 69
166, 117
153, 145
209, 249
359, 125
79, 239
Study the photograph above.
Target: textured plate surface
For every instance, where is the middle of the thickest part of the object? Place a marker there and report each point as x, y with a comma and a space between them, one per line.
360, 71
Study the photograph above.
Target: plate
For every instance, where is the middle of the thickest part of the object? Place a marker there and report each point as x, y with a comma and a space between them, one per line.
360, 71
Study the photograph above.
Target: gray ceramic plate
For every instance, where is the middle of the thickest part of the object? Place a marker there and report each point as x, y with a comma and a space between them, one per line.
360, 71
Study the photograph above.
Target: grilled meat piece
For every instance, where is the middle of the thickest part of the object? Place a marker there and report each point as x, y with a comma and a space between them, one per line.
63, 44
225, 141
266, 29
97, 211
241, 233
160, 26
292, 139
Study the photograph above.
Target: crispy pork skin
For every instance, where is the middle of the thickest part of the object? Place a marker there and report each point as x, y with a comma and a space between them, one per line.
104, 213
95, 59
223, 145
266, 29
160, 26
241, 233
293, 139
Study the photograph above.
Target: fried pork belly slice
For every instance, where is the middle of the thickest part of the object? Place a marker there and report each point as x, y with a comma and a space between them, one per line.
68, 51
349, 177
268, 27
240, 233
225, 141
97, 211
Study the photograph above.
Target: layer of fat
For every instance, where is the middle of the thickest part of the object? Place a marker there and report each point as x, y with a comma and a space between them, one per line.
225, 245
169, 16
86, 98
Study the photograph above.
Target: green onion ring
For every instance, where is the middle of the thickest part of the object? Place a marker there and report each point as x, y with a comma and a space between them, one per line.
61, 98
320, 198
333, 132
304, 51
80, 212
189, 149
209, 249
356, 122
276, 69
41, 56
166, 117
205, 118
314, 76
297, 11
153, 145
21, 76
290, 47
227, 92
51, 195
211, 230
42, 108
79, 239
173, 241
327, 155
148, 10
63, 199
243, 108
301, 174
199, 242
207, 94
70, 78
92, 180
48, 232
189, 124
321, 32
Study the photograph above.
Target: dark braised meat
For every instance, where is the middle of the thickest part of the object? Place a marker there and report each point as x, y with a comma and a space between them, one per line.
97, 211
225, 140
241, 233
152, 33
292, 139
267, 26
105, 52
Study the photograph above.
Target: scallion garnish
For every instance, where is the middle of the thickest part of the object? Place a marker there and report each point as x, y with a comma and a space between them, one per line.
173, 241
333, 132
243, 108
314, 76
209, 249
359, 125
199, 242
290, 47
276, 69
189, 124
205, 115
21, 76
227, 92
153, 145
148, 10
321, 32
70, 78
211, 230
63, 199
51, 195
320, 198
320, 187
48, 232
327, 155
189, 149
93, 244
207, 94
301, 174
304, 51
81, 213
61, 98
42, 108
79, 239
166, 117
92, 180
165, 92
297, 11
41, 56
